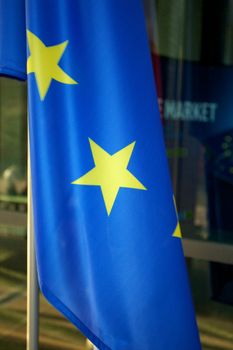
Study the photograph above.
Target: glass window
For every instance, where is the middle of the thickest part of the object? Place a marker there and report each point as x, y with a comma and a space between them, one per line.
193, 58
13, 188
192, 55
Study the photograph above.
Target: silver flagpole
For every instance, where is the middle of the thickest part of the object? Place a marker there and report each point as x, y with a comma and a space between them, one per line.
32, 282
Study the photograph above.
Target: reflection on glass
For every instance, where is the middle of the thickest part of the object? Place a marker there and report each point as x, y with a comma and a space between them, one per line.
192, 54
13, 146
214, 318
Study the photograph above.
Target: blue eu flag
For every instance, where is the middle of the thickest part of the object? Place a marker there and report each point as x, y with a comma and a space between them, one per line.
108, 245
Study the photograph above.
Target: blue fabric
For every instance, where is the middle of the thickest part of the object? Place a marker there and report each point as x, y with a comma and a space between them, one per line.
13, 39
120, 278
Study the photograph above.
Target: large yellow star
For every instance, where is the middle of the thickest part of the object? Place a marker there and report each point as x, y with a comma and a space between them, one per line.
110, 173
43, 61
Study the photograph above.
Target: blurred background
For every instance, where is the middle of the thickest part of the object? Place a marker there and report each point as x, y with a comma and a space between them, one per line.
191, 45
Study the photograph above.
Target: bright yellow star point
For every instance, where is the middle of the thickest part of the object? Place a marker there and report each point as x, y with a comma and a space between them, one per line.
110, 173
177, 233
43, 61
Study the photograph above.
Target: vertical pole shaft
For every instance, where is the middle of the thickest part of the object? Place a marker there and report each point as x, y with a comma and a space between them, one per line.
32, 282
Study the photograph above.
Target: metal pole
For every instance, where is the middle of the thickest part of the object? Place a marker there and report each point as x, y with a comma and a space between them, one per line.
32, 281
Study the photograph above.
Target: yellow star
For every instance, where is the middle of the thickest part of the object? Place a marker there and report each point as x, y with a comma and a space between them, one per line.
177, 233
110, 173
43, 61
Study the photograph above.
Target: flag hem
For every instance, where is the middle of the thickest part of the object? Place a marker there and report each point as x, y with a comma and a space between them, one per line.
12, 73
72, 318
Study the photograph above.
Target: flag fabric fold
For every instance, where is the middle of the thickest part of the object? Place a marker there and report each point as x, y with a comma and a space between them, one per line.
108, 246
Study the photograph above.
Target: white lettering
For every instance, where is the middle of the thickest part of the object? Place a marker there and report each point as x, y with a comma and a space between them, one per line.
188, 111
